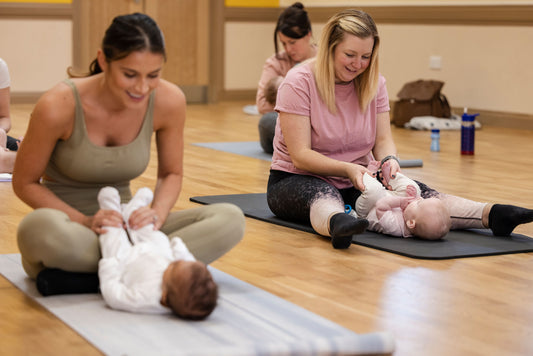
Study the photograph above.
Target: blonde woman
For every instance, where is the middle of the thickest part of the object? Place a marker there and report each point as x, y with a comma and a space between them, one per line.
333, 121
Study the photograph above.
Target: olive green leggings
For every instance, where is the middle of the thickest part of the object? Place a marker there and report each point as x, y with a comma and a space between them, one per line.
47, 238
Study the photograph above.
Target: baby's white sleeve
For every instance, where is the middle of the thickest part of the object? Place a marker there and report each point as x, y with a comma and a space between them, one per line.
400, 183
180, 251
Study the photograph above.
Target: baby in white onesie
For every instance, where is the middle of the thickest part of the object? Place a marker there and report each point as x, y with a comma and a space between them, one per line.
143, 271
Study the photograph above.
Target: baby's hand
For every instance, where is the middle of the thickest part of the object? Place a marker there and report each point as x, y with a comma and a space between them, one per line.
411, 191
405, 201
373, 166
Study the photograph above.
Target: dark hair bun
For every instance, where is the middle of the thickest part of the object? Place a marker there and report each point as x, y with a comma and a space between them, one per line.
298, 4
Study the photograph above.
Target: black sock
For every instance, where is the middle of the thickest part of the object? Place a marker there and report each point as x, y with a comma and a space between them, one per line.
52, 281
504, 218
342, 227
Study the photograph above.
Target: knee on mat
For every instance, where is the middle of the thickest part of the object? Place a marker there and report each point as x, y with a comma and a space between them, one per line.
45, 237
30, 239
32, 269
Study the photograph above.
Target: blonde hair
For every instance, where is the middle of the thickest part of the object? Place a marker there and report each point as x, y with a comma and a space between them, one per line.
357, 23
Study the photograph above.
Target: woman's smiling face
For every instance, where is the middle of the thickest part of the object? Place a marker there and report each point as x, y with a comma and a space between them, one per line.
133, 78
352, 57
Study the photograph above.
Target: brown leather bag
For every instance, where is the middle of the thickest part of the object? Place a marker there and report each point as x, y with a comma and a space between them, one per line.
420, 98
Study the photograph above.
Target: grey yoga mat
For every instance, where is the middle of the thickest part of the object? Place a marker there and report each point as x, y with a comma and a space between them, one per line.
247, 321
456, 244
253, 149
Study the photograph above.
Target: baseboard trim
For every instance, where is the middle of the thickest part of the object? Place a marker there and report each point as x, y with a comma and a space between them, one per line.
13, 10
500, 118
486, 15
198, 95
486, 117
238, 94
25, 97
195, 94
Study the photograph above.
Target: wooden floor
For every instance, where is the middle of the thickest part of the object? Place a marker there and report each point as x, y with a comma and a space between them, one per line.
471, 306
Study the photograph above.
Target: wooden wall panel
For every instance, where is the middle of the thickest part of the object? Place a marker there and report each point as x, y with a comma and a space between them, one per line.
185, 26
90, 20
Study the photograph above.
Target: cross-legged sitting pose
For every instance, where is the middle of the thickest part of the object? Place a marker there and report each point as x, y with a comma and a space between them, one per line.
333, 120
141, 270
95, 131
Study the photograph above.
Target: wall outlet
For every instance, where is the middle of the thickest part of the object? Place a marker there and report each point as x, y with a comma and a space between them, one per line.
435, 62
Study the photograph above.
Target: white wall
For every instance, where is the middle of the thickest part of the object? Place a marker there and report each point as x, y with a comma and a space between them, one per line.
247, 47
483, 67
38, 52
486, 67
246, 54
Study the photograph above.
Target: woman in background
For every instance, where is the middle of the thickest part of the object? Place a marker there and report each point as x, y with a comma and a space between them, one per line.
293, 30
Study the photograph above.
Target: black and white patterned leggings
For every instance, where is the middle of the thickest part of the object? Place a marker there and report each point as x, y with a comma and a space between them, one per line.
290, 196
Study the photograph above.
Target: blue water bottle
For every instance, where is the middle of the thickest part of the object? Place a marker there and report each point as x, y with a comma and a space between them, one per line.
468, 131
435, 140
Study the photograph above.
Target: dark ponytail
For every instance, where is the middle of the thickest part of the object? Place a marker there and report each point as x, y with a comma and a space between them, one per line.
293, 23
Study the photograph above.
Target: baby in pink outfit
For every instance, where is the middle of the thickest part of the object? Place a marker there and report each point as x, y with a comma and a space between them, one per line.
401, 211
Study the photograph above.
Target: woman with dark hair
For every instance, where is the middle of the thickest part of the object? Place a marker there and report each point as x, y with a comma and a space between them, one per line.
293, 30
333, 121
90, 132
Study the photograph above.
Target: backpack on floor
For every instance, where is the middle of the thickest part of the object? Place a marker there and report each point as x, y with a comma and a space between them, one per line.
420, 98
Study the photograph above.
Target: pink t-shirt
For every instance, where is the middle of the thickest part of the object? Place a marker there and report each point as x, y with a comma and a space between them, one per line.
349, 135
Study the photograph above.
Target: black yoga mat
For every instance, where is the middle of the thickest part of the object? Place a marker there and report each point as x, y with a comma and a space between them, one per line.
456, 244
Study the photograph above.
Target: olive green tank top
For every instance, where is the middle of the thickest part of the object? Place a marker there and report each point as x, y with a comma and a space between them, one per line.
78, 168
